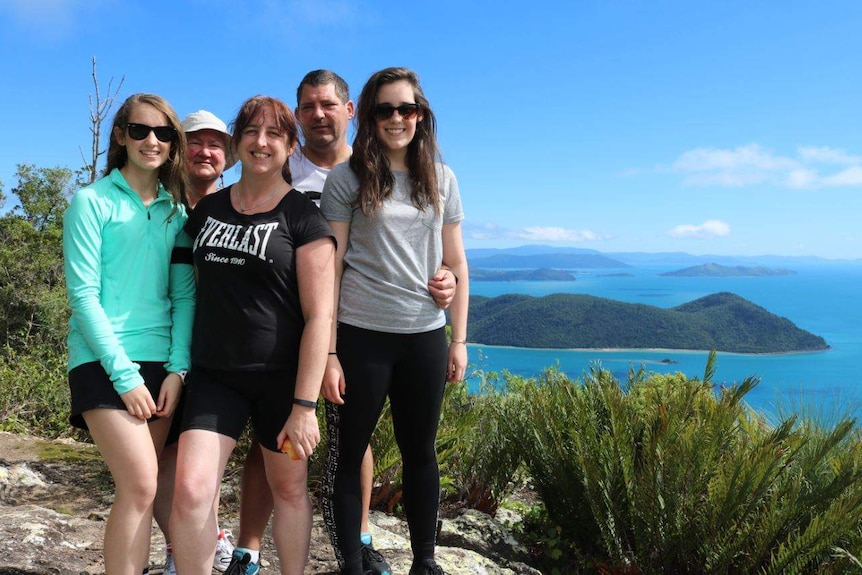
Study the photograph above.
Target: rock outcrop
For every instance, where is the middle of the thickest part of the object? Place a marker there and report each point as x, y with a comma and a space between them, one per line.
53, 511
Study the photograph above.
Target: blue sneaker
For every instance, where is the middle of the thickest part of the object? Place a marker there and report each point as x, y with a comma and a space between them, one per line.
373, 562
241, 564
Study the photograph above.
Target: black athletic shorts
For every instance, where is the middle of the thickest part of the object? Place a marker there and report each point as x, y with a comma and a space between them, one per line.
177, 421
91, 388
223, 402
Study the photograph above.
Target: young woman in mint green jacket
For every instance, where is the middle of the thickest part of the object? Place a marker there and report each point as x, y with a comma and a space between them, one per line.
131, 291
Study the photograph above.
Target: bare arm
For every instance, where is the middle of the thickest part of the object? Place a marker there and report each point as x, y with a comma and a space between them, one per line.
456, 260
315, 272
334, 384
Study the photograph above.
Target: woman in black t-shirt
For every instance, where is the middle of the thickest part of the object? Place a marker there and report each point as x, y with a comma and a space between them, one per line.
265, 262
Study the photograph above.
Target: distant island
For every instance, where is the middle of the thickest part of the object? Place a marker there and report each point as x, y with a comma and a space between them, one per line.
720, 271
539, 275
722, 321
618, 275
565, 261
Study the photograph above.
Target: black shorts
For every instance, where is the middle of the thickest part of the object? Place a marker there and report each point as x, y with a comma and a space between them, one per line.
223, 402
91, 388
177, 421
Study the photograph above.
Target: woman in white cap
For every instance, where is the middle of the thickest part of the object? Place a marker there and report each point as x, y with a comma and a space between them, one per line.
208, 155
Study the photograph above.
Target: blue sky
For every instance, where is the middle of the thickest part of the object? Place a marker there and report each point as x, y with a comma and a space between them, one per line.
726, 127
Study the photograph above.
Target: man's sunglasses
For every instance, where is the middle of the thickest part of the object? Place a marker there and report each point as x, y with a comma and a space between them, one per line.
141, 131
386, 111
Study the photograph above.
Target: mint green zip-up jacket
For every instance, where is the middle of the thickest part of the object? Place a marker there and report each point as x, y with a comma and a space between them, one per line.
129, 302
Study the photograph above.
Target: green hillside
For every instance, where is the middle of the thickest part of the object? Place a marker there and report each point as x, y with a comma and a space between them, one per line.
722, 321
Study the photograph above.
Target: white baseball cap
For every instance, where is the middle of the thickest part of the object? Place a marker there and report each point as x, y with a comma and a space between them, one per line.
204, 120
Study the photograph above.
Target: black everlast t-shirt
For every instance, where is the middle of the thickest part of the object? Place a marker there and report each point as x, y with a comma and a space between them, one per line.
248, 315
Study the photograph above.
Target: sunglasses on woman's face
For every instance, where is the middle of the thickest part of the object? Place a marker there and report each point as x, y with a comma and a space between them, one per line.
386, 111
141, 131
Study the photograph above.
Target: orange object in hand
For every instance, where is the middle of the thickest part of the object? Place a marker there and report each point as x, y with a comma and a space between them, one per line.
287, 447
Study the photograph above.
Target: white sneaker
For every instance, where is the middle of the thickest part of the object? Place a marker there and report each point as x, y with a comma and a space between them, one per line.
170, 568
224, 551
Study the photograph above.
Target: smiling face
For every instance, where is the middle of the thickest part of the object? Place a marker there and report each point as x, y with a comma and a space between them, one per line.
205, 155
396, 132
149, 154
263, 146
323, 117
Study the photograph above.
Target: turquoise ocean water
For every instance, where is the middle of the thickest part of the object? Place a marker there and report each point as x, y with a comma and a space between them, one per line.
825, 299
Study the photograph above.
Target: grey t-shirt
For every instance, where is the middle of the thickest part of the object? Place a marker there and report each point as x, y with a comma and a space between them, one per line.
392, 254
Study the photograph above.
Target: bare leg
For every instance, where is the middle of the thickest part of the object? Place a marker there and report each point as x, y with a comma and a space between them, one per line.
165, 493
128, 445
255, 500
366, 478
291, 524
200, 465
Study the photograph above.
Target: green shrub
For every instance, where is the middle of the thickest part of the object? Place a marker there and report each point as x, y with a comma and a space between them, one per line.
661, 475
34, 393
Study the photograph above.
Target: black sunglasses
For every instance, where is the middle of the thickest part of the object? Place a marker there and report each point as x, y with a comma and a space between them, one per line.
141, 131
386, 111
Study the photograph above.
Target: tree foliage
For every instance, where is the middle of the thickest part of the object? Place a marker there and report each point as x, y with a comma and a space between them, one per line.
32, 288
43, 195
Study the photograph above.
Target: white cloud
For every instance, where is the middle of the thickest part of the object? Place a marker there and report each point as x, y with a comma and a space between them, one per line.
802, 178
51, 19
725, 179
752, 164
743, 158
827, 155
491, 231
849, 177
551, 234
706, 230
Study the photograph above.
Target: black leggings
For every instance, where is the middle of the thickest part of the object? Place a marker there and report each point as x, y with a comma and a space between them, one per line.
411, 370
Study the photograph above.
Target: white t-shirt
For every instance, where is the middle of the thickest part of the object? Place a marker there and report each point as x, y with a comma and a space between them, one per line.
307, 176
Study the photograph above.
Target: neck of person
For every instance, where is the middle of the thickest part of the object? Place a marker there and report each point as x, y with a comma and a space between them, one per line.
329, 157
397, 160
199, 189
257, 189
145, 183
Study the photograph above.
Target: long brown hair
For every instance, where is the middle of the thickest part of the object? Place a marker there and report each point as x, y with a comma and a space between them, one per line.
172, 174
284, 119
369, 160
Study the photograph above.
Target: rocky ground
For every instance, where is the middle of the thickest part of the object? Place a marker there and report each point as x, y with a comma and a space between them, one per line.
55, 497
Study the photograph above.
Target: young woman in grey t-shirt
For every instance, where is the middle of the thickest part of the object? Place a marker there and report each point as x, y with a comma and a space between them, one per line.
396, 212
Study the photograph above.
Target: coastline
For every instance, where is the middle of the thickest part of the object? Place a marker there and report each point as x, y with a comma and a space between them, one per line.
652, 350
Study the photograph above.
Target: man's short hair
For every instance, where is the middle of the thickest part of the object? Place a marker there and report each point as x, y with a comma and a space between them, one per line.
322, 77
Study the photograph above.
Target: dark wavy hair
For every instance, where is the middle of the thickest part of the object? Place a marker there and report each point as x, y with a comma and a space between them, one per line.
254, 107
172, 174
369, 160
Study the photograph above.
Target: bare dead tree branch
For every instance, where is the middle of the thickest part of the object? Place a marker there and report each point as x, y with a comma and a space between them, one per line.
99, 110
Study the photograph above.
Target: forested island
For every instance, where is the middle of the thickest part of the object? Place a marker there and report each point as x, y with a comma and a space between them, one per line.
722, 321
564, 261
720, 271
539, 275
